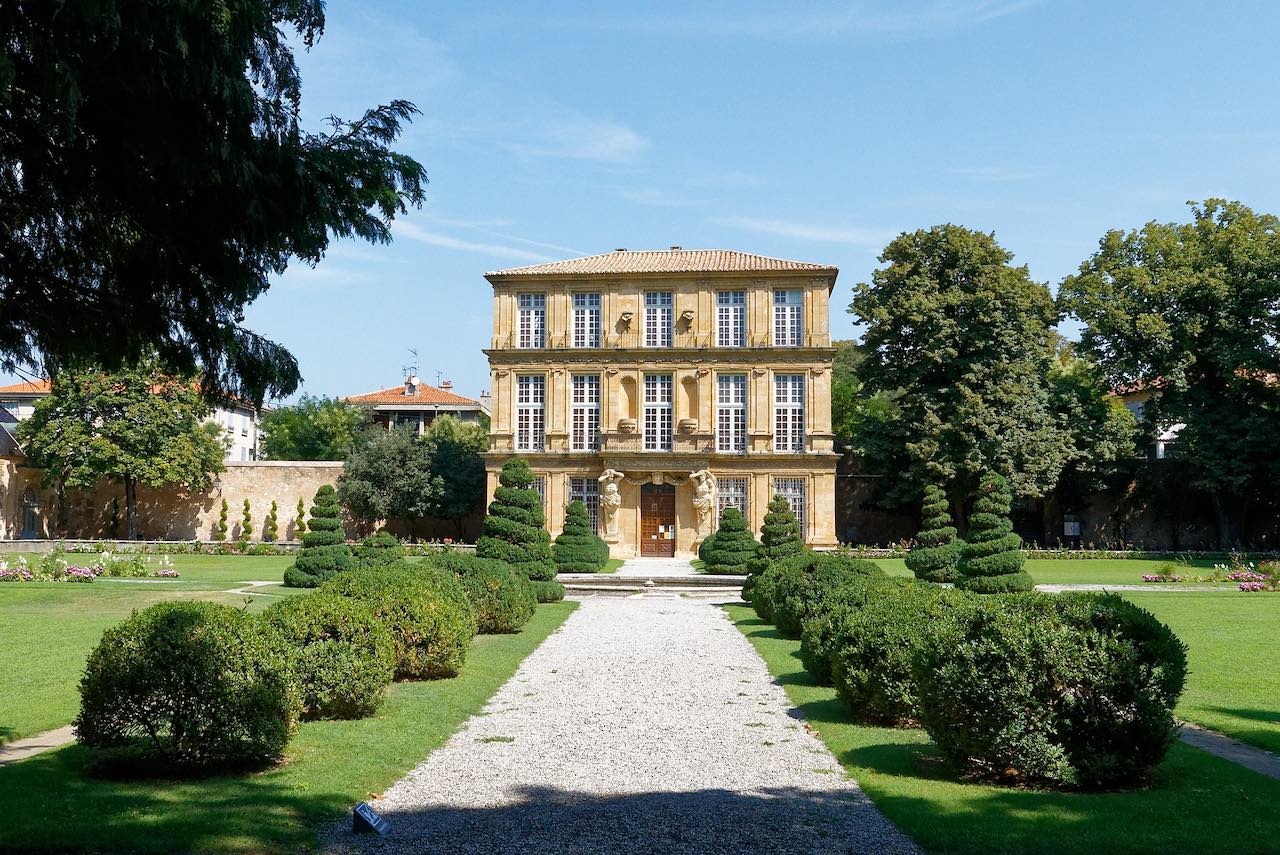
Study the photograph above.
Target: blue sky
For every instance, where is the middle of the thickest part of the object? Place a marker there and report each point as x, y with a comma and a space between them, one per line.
809, 130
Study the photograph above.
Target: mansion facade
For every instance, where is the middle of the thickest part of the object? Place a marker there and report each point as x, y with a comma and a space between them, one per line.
661, 387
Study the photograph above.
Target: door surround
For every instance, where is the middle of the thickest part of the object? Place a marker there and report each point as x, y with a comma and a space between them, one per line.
657, 520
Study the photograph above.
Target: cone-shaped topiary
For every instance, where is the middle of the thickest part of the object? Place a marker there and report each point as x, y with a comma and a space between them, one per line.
220, 531
271, 527
324, 552
780, 534
990, 559
936, 552
513, 528
577, 549
246, 524
379, 550
734, 546
300, 523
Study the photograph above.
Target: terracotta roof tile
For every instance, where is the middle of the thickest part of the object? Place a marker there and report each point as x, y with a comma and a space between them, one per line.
665, 261
35, 387
426, 395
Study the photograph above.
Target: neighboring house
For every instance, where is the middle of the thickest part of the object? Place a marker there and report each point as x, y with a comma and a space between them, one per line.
241, 423
1134, 399
417, 405
660, 387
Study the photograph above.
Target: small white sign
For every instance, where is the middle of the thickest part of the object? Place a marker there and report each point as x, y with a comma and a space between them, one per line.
1071, 529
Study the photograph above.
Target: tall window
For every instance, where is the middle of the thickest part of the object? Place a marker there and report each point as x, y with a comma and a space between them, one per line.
731, 412
731, 493
731, 318
792, 489
532, 324
587, 491
657, 319
540, 487
788, 412
531, 423
585, 414
788, 318
657, 412
586, 320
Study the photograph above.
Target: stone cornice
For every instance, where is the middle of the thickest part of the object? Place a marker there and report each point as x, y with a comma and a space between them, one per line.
713, 357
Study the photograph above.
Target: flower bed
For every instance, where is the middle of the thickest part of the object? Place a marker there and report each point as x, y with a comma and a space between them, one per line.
54, 568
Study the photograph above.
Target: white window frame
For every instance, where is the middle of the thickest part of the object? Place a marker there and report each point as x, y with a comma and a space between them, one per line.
731, 318
586, 320
657, 412
732, 493
731, 413
788, 413
531, 322
788, 317
531, 412
584, 414
539, 486
795, 491
658, 308
587, 491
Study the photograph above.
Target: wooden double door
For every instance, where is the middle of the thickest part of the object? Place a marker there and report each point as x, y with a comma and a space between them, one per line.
658, 520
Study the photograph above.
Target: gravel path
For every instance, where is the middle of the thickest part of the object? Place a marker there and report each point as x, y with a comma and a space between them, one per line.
644, 725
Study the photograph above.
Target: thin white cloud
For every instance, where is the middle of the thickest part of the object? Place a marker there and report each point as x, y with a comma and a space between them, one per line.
576, 137
421, 235
810, 231
654, 197
486, 227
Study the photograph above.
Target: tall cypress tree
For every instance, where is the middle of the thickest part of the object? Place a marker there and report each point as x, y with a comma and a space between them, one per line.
324, 551
937, 551
513, 528
780, 534
991, 560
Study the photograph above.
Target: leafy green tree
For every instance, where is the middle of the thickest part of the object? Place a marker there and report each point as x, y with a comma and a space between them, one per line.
1188, 311
154, 176
577, 548
324, 553
271, 528
312, 429
936, 550
139, 425
957, 348
991, 558
457, 469
220, 531
514, 527
734, 549
300, 521
388, 475
246, 524
780, 533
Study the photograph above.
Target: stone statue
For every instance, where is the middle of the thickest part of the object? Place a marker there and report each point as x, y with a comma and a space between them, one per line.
610, 500
704, 499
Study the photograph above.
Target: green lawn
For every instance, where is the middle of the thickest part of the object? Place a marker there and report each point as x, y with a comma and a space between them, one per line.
612, 565
53, 804
1081, 571
1198, 803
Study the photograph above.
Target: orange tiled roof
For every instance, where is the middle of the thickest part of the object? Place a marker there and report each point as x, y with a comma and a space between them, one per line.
425, 395
665, 261
35, 387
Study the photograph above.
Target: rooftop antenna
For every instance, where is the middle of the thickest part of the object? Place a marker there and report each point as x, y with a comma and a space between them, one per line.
439, 374
411, 369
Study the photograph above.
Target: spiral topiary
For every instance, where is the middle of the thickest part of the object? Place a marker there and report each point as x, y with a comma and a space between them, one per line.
734, 547
780, 534
324, 552
577, 549
513, 528
378, 550
937, 551
991, 558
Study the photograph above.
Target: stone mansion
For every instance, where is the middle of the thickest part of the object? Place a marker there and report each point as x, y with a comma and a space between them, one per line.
661, 387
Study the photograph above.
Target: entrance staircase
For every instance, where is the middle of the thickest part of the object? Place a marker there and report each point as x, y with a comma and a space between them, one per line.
657, 575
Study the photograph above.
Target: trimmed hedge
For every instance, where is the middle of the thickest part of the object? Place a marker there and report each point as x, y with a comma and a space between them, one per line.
578, 549
513, 528
431, 619
806, 583
344, 656
780, 534
824, 630
324, 552
548, 591
379, 550
503, 599
991, 558
936, 551
1070, 691
192, 685
733, 548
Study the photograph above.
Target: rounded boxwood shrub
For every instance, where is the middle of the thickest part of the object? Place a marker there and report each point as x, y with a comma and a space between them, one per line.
324, 552
513, 528
806, 581
578, 548
991, 558
343, 655
936, 551
734, 546
872, 650
823, 630
548, 591
427, 610
192, 686
503, 599
1072, 691
378, 550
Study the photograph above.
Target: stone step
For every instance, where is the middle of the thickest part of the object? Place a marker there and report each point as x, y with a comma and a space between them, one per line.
599, 580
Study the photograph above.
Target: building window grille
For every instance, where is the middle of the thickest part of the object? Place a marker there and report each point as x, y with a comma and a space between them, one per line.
586, 320
657, 318
793, 490
731, 493
788, 412
731, 412
533, 320
731, 318
585, 413
587, 491
657, 412
788, 318
531, 396
540, 487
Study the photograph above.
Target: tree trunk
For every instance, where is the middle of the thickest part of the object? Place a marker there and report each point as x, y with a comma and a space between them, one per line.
131, 507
